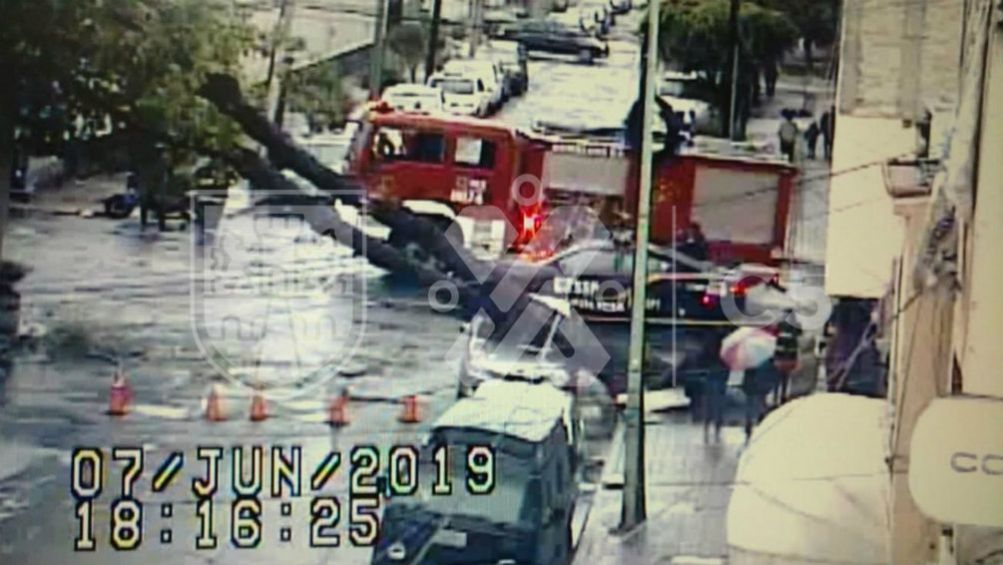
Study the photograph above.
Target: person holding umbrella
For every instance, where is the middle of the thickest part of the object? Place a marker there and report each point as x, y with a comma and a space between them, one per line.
748, 352
785, 358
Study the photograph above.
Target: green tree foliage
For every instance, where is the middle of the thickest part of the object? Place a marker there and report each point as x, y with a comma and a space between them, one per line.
694, 36
316, 91
816, 21
92, 67
118, 69
408, 42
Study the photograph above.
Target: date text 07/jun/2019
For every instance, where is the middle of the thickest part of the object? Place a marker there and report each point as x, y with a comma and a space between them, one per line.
238, 478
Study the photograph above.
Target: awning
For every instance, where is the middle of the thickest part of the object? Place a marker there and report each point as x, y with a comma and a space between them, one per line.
812, 486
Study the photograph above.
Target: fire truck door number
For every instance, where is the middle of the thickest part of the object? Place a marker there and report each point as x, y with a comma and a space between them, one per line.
469, 191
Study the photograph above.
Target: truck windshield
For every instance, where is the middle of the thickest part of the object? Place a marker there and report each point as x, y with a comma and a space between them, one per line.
515, 499
454, 86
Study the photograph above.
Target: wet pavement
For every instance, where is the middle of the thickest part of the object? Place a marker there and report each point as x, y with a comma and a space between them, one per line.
104, 286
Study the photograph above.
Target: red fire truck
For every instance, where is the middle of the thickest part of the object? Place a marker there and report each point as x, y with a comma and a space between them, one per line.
498, 183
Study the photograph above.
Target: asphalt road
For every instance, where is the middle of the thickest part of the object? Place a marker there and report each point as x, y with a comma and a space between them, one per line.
103, 284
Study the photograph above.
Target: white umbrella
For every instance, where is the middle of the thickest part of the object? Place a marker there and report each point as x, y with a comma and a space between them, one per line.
811, 486
747, 347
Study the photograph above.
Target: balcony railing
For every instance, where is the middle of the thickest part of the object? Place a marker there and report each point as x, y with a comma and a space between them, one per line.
906, 178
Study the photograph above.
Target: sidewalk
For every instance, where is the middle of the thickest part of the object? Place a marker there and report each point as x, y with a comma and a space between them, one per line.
689, 484
688, 488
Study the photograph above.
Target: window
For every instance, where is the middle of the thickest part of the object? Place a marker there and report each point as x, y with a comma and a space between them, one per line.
454, 86
392, 144
475, 152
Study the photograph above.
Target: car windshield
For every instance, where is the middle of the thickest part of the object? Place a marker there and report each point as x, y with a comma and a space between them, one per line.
455, 86
514, 500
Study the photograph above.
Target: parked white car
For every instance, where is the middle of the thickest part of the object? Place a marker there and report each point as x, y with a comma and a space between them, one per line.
464, 95
677, 90
486, 70
414, 98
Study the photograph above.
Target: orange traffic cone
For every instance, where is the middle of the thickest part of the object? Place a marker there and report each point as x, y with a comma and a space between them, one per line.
213, 408
409, 414
259, 410
336, 415
119, 395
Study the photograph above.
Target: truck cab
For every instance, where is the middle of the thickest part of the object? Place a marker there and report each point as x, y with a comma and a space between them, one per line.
525, 517
439, 167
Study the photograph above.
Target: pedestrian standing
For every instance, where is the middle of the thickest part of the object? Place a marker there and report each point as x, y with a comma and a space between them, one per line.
758, 382
828, 125
715, 386
786, 356
771, 73
811, 138
788, 134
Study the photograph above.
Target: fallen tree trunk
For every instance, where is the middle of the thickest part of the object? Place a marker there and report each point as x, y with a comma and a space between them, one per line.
224, 92
324, 220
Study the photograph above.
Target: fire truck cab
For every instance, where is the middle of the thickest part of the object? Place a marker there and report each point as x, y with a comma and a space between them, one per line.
455, 171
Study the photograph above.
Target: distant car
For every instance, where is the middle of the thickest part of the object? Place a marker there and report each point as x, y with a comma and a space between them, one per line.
621, 7
600, 12
414, 98
464, 95
496, 20
487, 71
513, 60
583, 18
554, 37
682, 91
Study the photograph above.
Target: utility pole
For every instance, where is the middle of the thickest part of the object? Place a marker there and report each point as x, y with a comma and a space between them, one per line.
376, 59
433, 38
733, 41
278, 64
475, 26
633, 512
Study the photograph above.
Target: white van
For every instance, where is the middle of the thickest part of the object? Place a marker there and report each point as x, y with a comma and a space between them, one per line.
488, 71
463, 94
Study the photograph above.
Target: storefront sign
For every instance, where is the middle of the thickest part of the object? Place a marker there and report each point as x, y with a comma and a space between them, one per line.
956, 461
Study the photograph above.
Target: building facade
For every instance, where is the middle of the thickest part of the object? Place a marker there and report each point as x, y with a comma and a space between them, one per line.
946, 393
898, 60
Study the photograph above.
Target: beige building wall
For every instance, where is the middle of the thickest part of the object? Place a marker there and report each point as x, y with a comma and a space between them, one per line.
981, 353
864, 234
921, 358
897, 59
